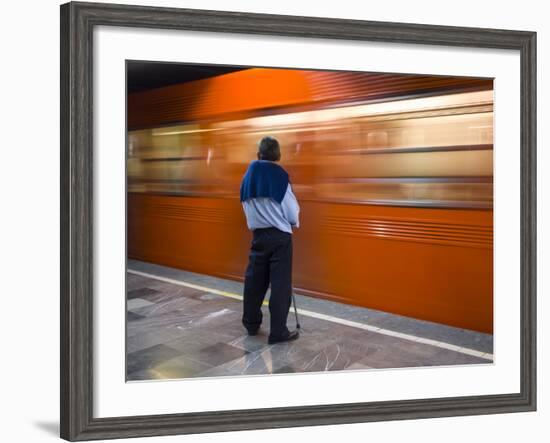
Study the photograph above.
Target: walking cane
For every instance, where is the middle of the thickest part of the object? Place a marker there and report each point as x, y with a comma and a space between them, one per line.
295, 310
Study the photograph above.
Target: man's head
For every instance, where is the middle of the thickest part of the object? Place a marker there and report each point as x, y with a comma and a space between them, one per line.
268, 149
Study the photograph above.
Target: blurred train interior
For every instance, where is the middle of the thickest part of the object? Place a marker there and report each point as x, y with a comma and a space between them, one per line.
393, 173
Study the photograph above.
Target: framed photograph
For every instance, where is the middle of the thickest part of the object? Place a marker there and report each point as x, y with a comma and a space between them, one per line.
272, 221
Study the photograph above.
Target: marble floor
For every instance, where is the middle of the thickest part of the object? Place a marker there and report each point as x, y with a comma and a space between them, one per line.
181, 324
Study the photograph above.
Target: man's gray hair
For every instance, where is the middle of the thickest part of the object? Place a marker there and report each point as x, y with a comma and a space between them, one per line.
268, 149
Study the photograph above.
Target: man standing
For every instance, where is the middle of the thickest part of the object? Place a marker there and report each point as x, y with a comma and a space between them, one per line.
271, 211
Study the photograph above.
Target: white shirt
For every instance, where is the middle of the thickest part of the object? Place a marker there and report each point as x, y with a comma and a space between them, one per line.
264, 212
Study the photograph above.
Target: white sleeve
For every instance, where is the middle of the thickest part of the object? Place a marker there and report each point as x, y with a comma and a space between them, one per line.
291, 209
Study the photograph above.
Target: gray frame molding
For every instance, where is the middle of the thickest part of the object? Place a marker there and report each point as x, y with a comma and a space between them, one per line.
77, 23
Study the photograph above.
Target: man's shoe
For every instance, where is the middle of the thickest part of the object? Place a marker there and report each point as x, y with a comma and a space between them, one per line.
254, 332
291, 336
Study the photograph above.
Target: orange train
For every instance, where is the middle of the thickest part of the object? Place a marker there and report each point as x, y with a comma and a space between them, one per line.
394, 175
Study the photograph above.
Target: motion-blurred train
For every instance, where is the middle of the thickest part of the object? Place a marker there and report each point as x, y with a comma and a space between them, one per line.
393, 173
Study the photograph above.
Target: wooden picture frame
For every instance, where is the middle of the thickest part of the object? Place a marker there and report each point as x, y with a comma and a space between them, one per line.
77, 23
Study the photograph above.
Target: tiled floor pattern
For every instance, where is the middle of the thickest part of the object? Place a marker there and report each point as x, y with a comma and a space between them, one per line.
175, 331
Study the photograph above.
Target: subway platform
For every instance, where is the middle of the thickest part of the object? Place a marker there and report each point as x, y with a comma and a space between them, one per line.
182, 324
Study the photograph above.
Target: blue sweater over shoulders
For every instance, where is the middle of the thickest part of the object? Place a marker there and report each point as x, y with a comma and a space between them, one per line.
264, 178
267, 197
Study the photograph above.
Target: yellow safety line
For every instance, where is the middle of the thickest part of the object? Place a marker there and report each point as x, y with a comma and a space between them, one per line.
376, 329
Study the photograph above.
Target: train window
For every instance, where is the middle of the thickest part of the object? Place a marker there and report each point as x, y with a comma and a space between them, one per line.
482, 132
180, 159
429, 151
377, 139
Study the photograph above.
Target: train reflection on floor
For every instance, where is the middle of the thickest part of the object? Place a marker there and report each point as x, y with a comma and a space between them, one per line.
182, 324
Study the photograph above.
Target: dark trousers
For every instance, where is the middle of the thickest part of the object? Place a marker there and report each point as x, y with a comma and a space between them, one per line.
270, 261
